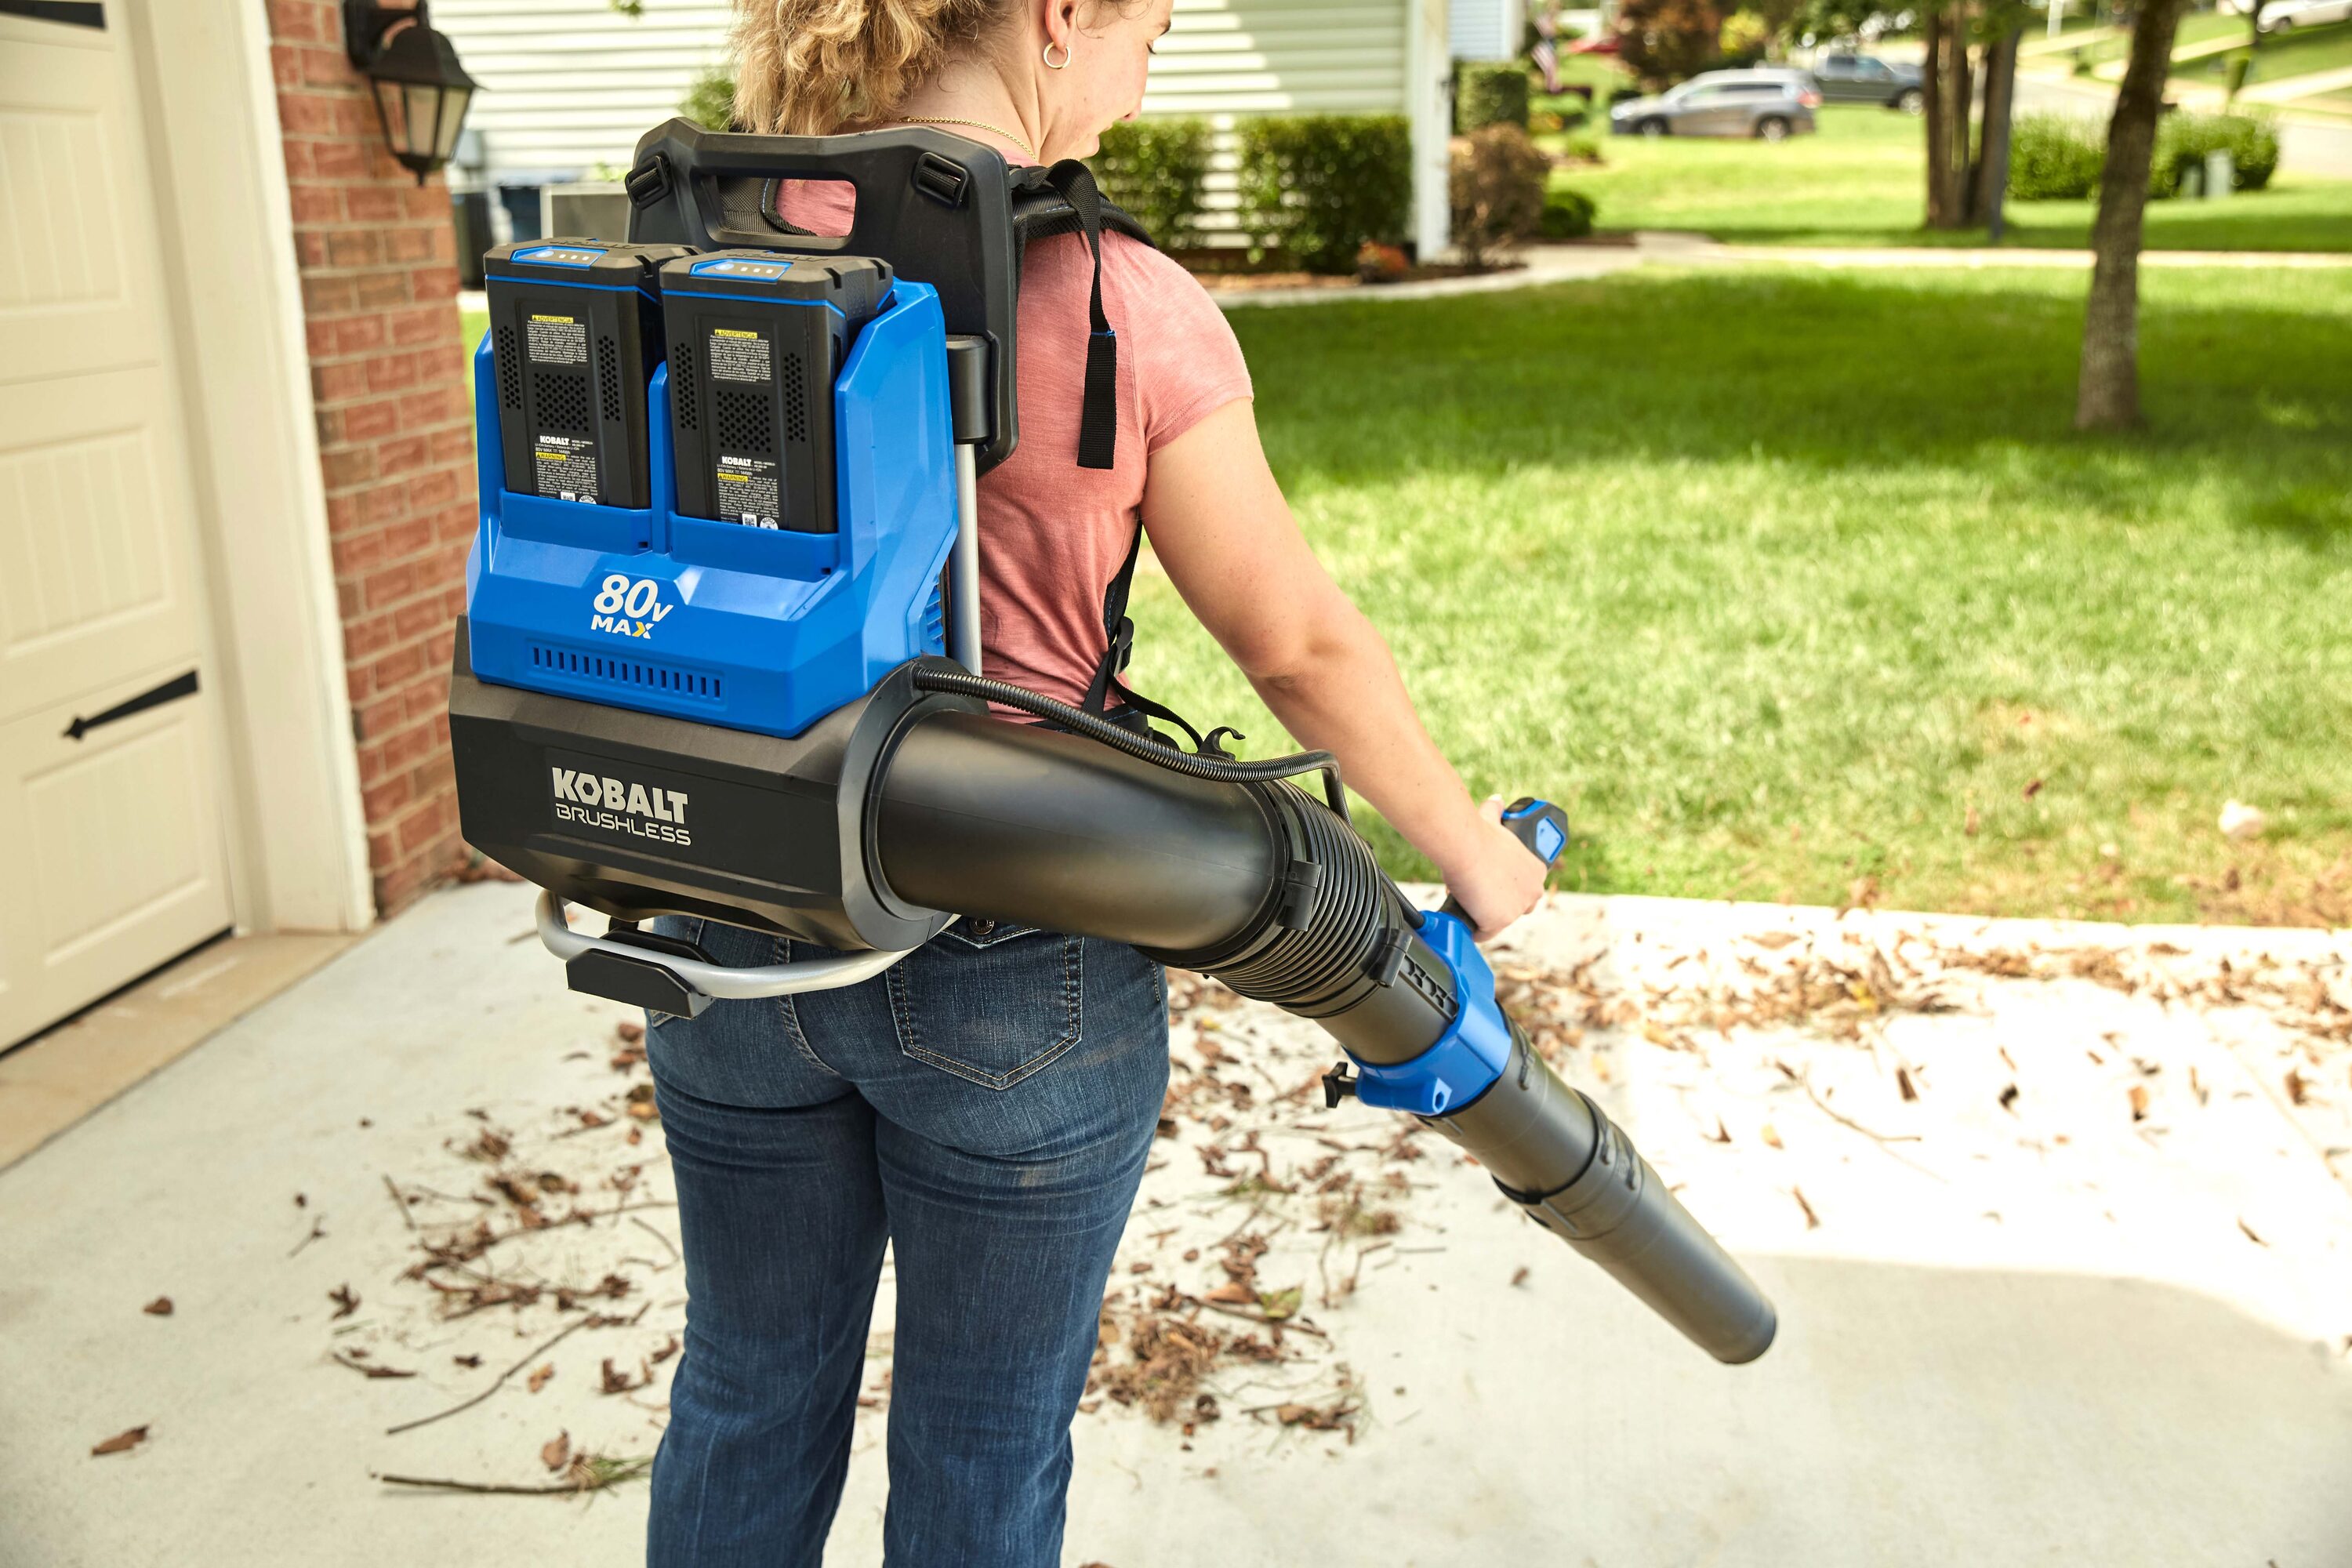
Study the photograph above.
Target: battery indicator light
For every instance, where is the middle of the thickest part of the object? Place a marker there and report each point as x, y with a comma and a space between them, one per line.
561, 255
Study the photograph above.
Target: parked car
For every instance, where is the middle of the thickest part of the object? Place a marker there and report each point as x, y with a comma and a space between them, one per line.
2286, 15
1865, 78
1769, 105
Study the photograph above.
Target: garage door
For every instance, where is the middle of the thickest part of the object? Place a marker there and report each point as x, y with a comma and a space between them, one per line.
110, 827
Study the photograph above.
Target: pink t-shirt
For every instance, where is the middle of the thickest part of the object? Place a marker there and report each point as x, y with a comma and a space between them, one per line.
1052, 534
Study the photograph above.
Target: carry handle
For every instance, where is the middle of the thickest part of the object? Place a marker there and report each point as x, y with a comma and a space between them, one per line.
681, 164
710, 980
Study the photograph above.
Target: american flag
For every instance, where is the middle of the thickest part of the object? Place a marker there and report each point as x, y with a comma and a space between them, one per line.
1545, 53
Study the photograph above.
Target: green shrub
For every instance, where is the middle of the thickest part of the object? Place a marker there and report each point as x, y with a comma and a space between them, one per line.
1584, 148
2185, 138
2054, 158
711, 101
1567, 215
1489, 93
1317, 187
1496, 186
1157, 170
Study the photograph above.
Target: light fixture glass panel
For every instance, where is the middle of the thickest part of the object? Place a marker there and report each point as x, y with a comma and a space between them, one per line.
453, 117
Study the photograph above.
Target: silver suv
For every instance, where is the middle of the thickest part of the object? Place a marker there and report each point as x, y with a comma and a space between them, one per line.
1769, 105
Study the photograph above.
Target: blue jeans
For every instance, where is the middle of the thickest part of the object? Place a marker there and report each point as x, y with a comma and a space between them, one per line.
986, 1107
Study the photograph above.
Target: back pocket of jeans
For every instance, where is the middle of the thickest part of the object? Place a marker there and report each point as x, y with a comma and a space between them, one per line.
991, 1015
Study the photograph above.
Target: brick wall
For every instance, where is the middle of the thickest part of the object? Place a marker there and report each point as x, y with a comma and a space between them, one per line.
395, 434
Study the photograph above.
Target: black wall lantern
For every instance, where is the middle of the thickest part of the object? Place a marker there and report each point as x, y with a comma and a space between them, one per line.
421, 90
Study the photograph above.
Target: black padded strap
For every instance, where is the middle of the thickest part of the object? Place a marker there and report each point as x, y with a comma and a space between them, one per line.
1099, 415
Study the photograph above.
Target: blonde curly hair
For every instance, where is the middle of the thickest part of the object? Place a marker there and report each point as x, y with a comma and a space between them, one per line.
807, 68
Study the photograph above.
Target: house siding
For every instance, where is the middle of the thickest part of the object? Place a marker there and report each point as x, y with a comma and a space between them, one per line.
568, 85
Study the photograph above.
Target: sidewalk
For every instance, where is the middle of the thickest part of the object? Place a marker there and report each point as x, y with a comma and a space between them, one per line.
2063, 1269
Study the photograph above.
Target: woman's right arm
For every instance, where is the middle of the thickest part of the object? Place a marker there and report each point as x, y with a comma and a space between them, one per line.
1219, 524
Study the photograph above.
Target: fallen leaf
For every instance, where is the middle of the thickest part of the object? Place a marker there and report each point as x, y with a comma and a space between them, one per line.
1813, 1220
1232, 1293
1903, 1082
1770, 1134
616, 1381
630, 1030
1971, 824
2298, 1089
1721, 1134
1520, 1275
466, 1360
557, 1452
1773, 938
345, 1302
1280, 1304
121, 1442
666, 1351
2032, 788
2257, 1241
2009, 1098
2139, 1102
538, 1378
161, 1307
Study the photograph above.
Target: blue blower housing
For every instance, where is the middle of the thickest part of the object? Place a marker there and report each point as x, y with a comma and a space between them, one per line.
749, 629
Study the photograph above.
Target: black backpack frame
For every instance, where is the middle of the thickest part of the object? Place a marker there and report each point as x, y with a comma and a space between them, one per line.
940, 210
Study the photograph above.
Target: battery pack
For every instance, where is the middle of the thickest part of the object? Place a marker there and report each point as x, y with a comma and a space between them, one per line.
576, 327
756, 340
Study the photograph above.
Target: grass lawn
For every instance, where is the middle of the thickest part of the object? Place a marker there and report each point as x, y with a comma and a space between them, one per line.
1796, 585
1859, 183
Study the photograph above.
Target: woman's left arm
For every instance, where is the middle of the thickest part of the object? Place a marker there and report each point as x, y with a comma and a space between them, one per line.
1219, 524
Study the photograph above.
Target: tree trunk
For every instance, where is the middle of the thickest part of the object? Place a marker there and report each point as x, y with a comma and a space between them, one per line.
1964, 107
1931, 93
2107, 397
1988, 178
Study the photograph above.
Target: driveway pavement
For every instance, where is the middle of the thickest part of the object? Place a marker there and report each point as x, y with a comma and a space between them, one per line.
2064, 1273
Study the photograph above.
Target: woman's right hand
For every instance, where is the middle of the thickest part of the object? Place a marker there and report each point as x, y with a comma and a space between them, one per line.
1494, 876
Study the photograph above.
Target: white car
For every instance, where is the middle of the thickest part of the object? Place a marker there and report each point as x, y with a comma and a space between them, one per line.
2285, 15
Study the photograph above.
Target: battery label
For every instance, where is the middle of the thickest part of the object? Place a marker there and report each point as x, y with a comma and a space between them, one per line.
566, 467
748, 492
556, 340
740, 356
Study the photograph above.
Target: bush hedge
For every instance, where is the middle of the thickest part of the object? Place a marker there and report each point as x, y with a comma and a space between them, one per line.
2054, 158
1489, 93
1317, 187
2185, 138
1567, 215
1158, 169
1496, 186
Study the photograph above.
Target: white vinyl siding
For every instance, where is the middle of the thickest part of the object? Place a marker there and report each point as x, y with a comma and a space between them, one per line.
1486, 30
568, 85
1280, 57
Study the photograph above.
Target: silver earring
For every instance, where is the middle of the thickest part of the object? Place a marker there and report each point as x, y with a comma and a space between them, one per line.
1051, 63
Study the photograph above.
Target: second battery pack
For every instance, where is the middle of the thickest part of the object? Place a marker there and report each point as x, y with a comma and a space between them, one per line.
756, 340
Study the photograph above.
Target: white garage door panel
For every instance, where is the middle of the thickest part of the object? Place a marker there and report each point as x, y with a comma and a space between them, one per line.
78, 289
121, 868
112, 844
97, 550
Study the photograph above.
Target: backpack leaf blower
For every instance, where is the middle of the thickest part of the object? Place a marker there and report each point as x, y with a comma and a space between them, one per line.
721, 658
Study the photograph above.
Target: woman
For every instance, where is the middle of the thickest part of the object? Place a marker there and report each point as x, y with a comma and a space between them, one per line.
986, 1106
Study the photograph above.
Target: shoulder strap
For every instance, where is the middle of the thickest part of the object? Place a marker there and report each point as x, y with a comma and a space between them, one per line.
1098, 415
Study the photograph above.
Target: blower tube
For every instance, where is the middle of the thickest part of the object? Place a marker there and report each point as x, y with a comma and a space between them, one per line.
1255, 883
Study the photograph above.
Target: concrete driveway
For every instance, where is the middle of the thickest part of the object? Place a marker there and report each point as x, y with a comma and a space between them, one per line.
2064, 1273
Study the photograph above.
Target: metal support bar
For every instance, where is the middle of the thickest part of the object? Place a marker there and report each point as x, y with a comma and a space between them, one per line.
963, 579
712, 979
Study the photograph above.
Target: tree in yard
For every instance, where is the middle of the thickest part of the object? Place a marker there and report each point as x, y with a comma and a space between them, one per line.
2107, 396
1663, 41
1970, 44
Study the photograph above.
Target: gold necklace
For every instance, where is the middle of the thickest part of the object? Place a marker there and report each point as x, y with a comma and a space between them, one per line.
1019, 141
